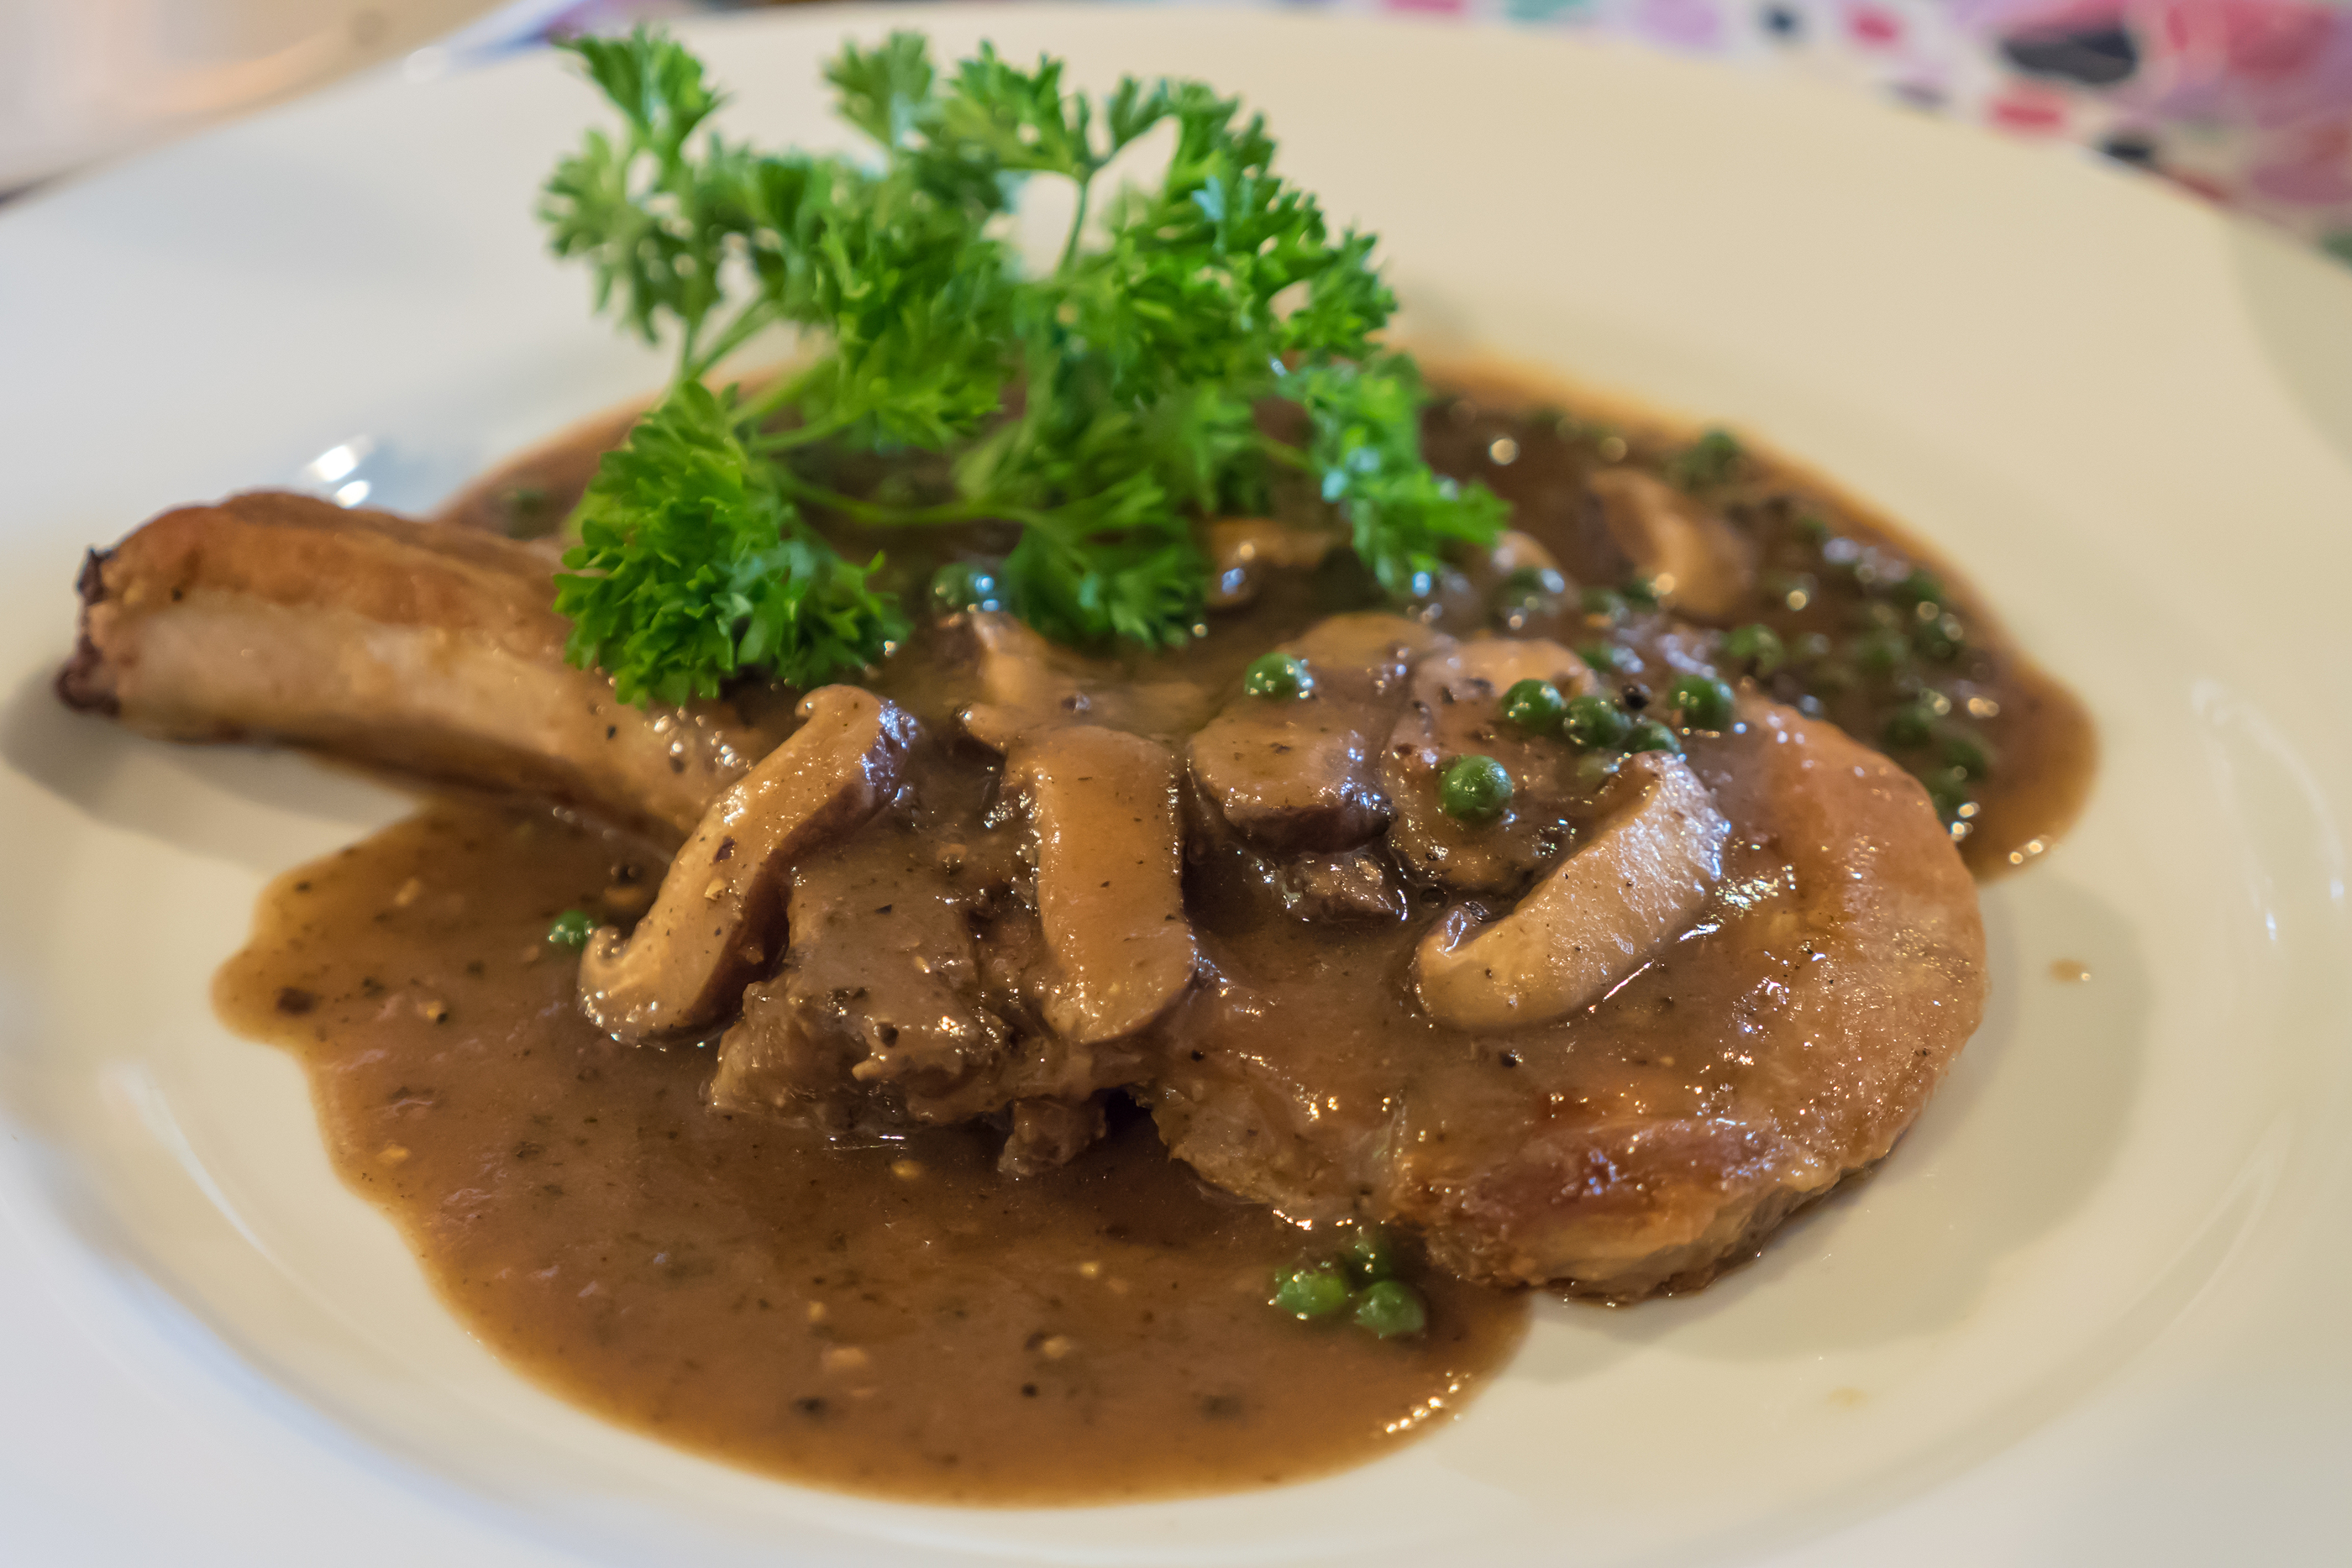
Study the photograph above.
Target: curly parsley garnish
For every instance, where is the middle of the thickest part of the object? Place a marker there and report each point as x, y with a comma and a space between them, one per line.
1105, 404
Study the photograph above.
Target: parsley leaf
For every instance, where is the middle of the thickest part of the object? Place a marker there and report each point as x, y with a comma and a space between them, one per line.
654, 222
1367, 449
690, 567
1106, 404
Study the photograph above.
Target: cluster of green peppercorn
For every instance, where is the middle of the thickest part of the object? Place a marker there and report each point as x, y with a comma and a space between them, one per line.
1362, 1282
1848, 630
1475, 787
1886, 677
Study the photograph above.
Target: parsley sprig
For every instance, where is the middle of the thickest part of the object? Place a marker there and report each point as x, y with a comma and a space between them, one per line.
1106, 404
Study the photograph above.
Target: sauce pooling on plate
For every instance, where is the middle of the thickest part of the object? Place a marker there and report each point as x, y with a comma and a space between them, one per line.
892, 1315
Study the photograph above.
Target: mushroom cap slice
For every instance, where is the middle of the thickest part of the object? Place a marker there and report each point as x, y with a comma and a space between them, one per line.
1026, 684
1594, 919
1698, 563
1454, 708
721, 907
1243, 551
1110, 878
1302, 775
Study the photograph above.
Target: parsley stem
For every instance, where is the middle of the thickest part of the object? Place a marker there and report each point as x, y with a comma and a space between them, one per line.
749, 323
775, 441
874, 514
772, 400
1086, 183
1283, 452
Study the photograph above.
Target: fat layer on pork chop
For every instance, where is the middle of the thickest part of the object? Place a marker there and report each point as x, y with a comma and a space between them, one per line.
431, 650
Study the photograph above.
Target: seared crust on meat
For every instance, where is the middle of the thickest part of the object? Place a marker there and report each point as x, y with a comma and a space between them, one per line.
1782, 1045
417, 646
1880, 951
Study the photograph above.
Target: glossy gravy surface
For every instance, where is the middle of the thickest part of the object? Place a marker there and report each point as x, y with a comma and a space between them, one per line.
896, 1319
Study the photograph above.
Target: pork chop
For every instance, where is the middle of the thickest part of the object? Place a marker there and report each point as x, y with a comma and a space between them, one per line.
1780, 1042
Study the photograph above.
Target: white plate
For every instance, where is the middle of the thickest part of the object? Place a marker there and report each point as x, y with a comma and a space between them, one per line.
2093, 1308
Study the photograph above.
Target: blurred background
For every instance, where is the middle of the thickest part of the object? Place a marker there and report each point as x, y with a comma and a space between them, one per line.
2247, 103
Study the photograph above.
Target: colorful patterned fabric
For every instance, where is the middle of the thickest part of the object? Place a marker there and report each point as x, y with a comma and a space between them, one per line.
2246, 102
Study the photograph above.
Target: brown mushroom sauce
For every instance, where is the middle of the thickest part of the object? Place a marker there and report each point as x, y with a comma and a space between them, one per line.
886, 1311
884, 1315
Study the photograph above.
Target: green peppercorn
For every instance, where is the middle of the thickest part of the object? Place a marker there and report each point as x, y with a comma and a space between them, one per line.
1474, 788
1595, 723
1810, 648
1880, 652
1370, 1256
1920, 586
1880, 615
1602, 604
1756, 645
1534, 706
1949, 793
1595, 769
1390, 1308
1529, 581
1608, 658
1966, 753
1913, 723
1940, 638
1703, 702
1310, 1292
960, 586
1788, 589
1714, 458
1284, 676
1640, 592
1530, 590
571, 929
529, 515
1648, 735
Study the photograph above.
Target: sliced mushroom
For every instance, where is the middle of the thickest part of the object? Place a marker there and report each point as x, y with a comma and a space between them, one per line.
718, 918
1696, 561
1301, 773
1490, 566
1593, 919
1455, 708
1109, 871
1026, 685
1242, 550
